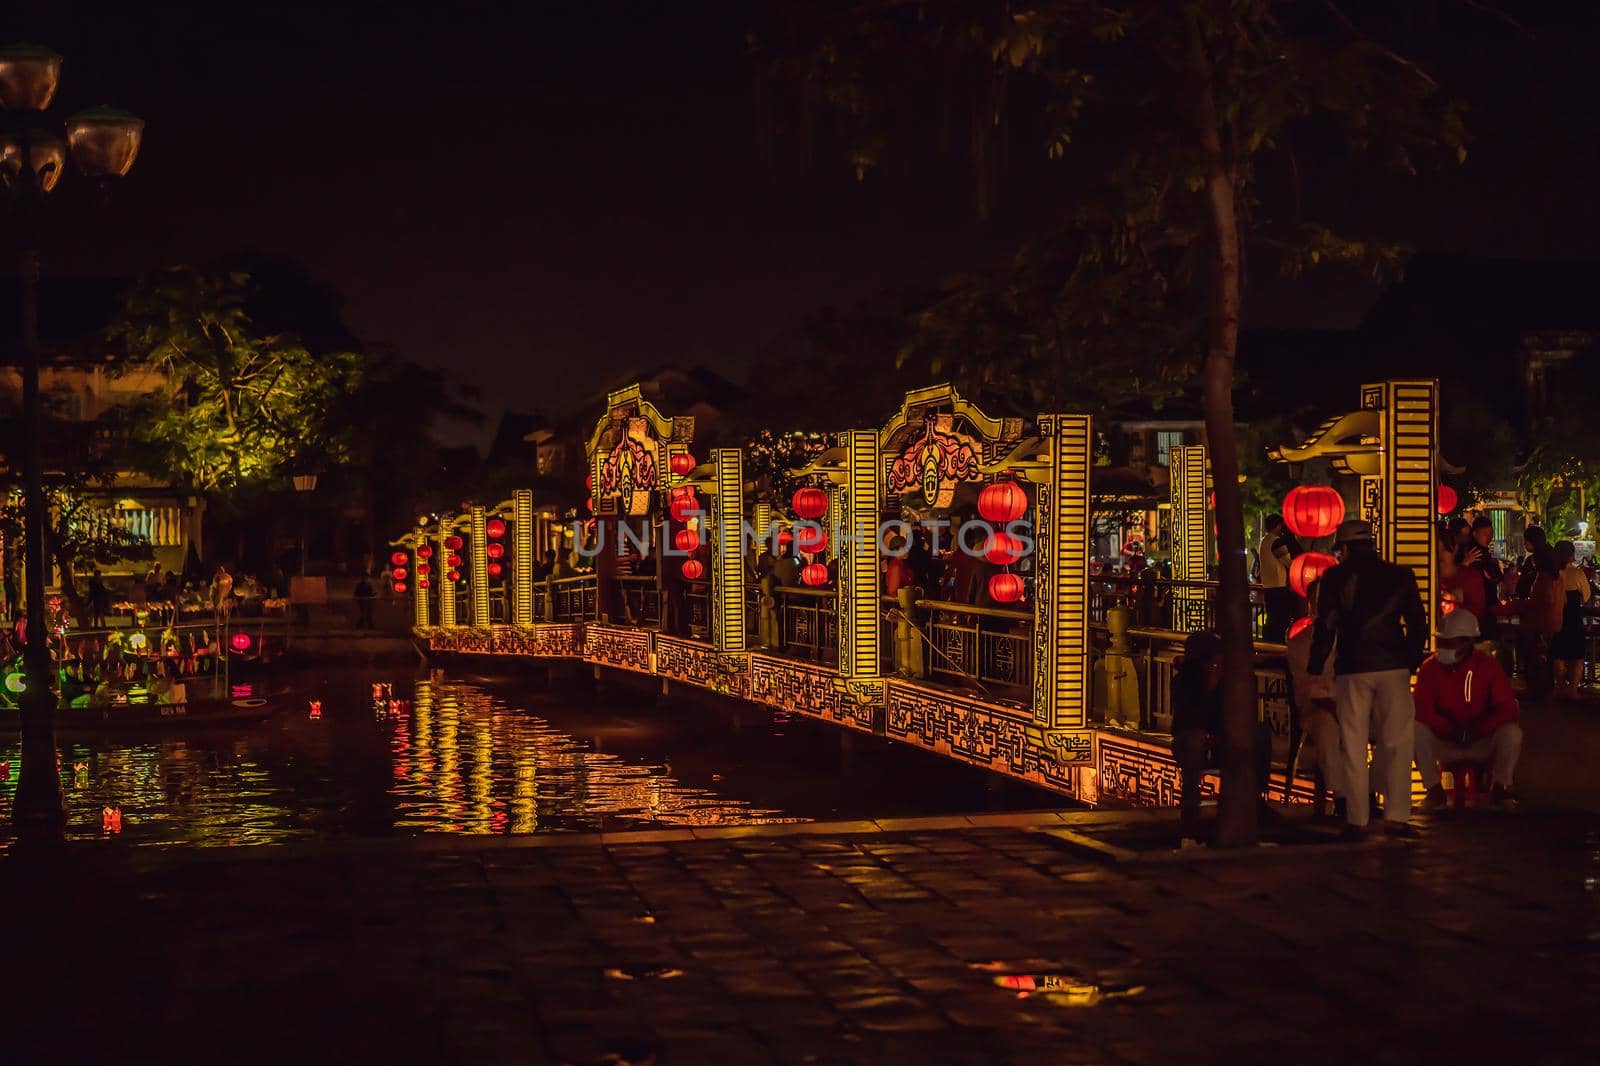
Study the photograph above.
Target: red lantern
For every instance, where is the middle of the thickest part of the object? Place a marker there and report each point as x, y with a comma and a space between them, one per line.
810, 539
1308, 568
454, 576
495, 569
399, 586
398, 573
1447, 499
588, 505
1002, 549
1005, 588
425, 551
682, 492
423, 569
684, 508
399, 558
1002, 502
453, 560
240, 641
495, 551
1300, 626
588, 482
452, 543
693, 570
422, 583
785, 539
686, 540
681, 463
1313, 510
814, 574
810, 503
495, 528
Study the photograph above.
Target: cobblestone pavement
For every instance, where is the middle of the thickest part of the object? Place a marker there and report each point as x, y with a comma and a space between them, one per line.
958, 945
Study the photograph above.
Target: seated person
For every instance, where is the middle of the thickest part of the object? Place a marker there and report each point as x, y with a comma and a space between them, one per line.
169, 687
1465, 712
1313, 696
1197, 727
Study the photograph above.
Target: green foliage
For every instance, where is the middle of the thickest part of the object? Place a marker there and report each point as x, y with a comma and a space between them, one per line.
1562, 465
240, 406
771, 457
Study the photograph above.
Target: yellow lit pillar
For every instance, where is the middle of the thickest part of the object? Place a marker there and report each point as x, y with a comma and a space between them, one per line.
478, 565
447, 588
1409, 434
727, 561
1061, 591
419, 583
762, 520
856, 505
1190, 484
522, 557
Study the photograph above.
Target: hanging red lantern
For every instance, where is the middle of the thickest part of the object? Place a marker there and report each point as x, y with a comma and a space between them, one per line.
425, 551
811, 539
423, 569
399, 586
693, 570
1005, 588
810, 503
495, 569
398, 573
422, 583
681, 463
1002, 549
452, 543
1313, 510
1002, 502
453, 560
588, 505
588, 482
686, 540
399, 558
1447, 499
1300, 626
785, 539
495, 551
454, 576
814, 574
1307, 568
681, 492
495, 528
684, 508
241, 641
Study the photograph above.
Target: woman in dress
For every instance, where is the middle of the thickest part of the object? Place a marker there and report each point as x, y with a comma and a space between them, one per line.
1567, 646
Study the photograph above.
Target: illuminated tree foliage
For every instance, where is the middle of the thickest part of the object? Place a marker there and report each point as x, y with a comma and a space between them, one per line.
1160, 122
240, 406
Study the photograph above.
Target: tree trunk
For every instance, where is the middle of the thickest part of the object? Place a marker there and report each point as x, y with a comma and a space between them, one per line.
69, 585
1236, 820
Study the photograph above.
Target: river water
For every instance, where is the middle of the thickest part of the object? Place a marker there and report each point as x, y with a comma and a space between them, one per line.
384, 751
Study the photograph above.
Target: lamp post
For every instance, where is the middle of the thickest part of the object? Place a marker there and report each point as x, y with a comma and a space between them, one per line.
102, 143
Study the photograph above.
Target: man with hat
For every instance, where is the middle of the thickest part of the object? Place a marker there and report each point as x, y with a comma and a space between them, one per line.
1372, 608
1466, 712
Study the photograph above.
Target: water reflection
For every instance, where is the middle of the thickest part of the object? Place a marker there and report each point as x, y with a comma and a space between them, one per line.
353, 758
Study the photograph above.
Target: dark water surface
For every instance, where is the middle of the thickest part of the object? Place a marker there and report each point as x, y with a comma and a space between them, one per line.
491, 755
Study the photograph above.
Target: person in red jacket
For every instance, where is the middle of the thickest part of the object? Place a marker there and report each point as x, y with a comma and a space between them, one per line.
1465, 712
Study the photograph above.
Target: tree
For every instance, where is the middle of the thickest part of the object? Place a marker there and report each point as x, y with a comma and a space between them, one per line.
1167, 116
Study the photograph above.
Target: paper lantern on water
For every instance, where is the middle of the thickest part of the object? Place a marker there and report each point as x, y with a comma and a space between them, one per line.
814, 574
1308, 568
1002, 502
810, 502
399, 558
684, 508
495, 528
810, 539
1002, 549
681, 463
686, 540
495, 569
453, 543
1300, 626
496, 551
398, 573
1005, 588
1447, 499
693, 570
1313, 510
241, 641
424, 551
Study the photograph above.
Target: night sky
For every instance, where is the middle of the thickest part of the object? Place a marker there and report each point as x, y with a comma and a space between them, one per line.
542, 197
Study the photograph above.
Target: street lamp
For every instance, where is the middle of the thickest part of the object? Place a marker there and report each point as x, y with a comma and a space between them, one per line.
102, 144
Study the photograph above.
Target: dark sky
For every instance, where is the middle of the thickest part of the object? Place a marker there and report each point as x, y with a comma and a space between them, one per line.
542, 196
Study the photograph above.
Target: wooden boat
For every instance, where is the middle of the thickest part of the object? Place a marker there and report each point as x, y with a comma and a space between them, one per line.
147, 717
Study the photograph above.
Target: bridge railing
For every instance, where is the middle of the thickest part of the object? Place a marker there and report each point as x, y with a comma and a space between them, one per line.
1177, 606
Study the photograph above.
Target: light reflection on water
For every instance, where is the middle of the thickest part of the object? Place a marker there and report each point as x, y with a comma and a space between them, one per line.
451, 758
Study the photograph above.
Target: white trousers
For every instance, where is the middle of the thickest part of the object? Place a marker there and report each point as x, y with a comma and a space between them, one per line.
1326, 748
1499, 749
1378, 706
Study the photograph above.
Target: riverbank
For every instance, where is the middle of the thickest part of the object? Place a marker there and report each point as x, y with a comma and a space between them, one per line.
973, 943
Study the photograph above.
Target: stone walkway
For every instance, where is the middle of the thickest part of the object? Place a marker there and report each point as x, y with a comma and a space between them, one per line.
948, 945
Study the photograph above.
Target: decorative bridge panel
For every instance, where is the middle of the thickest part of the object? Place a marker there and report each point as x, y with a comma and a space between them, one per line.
625, 649
808, 690
727, 673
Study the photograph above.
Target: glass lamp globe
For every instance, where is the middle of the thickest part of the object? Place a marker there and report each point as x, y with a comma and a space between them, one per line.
29, 74
104, 141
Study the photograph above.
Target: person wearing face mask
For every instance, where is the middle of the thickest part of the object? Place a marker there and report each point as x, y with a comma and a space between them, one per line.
1466, 712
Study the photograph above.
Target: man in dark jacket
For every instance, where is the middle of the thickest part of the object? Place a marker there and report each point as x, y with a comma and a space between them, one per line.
1372, 608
